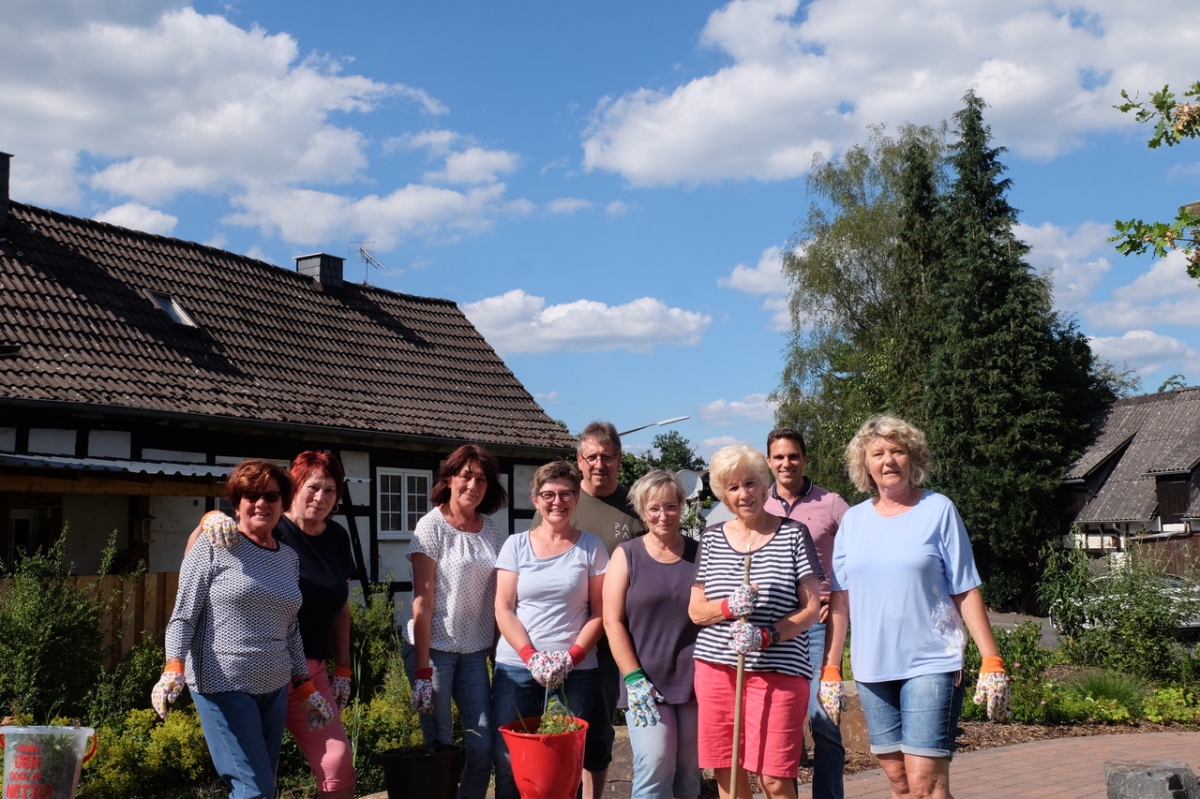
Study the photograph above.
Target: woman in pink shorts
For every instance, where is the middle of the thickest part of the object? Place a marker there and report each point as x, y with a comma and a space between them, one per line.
779, 604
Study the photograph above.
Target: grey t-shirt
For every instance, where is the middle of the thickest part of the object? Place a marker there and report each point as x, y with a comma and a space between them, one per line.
552, 594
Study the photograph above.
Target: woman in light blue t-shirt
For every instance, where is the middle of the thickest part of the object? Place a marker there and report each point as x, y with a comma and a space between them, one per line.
905, 576
549, 584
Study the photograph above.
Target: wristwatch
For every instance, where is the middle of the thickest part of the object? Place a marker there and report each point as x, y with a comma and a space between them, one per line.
773, 634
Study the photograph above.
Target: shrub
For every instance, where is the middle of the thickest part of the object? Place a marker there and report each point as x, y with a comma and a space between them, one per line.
373, 639
141, 757
1174, 703
1102, 685
128, 686
386, 722
51, 641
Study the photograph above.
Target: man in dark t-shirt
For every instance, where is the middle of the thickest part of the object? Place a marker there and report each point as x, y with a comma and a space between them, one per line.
603, 511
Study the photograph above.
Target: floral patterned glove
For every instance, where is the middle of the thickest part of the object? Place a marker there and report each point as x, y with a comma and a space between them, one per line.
316, 708
563, 661
422, 695
740, 602
341, 686
166, 691
992, 688
643, 699
745, 637
221, 530
543, 668
830, 694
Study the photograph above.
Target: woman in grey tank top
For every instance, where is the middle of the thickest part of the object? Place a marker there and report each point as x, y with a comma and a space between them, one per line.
646, 593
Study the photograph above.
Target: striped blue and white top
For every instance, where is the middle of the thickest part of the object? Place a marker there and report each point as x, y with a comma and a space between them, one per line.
777, 569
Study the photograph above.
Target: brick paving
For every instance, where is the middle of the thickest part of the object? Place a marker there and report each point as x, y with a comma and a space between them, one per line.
1065, 768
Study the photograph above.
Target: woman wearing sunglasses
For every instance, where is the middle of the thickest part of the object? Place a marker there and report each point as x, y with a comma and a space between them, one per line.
234, 636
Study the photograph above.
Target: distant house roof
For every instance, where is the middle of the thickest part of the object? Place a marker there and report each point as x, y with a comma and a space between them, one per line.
87, 307
1148, 436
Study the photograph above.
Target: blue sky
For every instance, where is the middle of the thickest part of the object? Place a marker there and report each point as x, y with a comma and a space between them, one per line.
604, 188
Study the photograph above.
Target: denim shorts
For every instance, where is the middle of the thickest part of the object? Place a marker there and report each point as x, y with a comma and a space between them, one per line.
916, 716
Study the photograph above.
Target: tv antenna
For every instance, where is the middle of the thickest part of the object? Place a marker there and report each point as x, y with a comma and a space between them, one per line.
365, 251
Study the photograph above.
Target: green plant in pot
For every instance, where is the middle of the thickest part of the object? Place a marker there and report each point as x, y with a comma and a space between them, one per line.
547, 752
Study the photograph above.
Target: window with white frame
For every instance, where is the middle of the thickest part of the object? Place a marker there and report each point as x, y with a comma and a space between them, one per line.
403, 500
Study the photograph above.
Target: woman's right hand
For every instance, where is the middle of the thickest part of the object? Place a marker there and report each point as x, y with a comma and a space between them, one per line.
221, 530
422, 695
169, 685
741, 602
545, 668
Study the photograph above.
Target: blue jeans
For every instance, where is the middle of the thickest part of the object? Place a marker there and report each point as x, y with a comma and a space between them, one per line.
916, 716
829, 756
465, 679
244, 733
666, 757
516, 695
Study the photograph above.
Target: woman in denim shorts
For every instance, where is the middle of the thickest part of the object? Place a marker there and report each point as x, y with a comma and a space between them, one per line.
903, 566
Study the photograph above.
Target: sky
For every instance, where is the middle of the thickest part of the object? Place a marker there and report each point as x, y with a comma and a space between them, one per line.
605, 188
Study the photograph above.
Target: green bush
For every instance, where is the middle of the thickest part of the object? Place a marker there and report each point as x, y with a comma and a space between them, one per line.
373, 639
51, 639
128, 686
1175, 703
1106, 686
142, 757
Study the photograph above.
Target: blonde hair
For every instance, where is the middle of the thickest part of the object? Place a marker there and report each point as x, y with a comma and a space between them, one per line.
734, 459
649, 483
920, 460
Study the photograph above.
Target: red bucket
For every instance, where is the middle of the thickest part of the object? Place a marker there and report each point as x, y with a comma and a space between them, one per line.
545, 766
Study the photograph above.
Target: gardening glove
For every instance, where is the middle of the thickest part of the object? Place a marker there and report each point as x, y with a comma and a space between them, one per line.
745, 637
740, 602
315, 706
992, 688
830, 695
564, 661
221, 530
169, 685
422, 695
544, 669
643, 699
340, 684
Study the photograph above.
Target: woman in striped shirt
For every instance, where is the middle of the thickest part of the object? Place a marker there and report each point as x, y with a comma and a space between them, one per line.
765, 620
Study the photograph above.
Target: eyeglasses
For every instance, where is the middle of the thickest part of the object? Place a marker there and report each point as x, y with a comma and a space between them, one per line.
599, 458
561, 496
665, 510
270, 496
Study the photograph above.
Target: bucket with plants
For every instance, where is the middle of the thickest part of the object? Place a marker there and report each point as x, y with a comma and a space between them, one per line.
546, 752
44, 762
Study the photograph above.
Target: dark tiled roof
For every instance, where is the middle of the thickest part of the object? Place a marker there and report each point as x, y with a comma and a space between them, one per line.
1162, 434
270, 345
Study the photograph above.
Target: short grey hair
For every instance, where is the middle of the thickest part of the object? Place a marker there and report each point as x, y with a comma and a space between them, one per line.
893, 428
735, 459
604, 432
651, 482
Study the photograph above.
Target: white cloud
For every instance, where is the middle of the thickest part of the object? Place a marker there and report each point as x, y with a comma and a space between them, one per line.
706, 448
475, 165
437, 142
766, 277
139, 217
811, 80
616, 208
1076, 261
568, 205
755, 407
163, 100
520, 322
305, 216
1164, 294
1148, 352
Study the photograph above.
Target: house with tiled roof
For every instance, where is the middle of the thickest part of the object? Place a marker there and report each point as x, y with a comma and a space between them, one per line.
1140, 480
136, 369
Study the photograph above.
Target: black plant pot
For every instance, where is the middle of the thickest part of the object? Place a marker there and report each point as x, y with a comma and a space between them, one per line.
422, 772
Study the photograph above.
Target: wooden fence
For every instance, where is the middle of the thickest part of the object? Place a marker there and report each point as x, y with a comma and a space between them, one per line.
136, 605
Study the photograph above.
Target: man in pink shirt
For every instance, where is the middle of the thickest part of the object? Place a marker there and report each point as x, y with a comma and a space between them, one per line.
796, 497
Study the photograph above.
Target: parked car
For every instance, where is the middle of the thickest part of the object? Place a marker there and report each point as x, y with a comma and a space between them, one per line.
1182, 594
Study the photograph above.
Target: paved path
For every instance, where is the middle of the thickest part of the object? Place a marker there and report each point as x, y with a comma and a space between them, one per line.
1065, 768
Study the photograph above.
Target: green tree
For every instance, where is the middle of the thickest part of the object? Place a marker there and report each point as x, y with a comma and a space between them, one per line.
632, 467
1175, 120
911, 295
673, 452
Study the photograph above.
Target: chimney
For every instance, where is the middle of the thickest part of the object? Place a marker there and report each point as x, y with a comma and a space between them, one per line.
5, 158
324, 269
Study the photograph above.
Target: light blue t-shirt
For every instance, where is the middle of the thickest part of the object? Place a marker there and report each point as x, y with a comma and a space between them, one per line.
552, 594
901, 572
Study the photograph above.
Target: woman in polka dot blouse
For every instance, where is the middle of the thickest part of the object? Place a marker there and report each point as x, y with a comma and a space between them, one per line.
449, 626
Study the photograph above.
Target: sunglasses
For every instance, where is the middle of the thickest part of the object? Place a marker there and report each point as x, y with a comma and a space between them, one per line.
270, 496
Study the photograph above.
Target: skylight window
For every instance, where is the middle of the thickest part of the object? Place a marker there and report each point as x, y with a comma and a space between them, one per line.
171, 307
